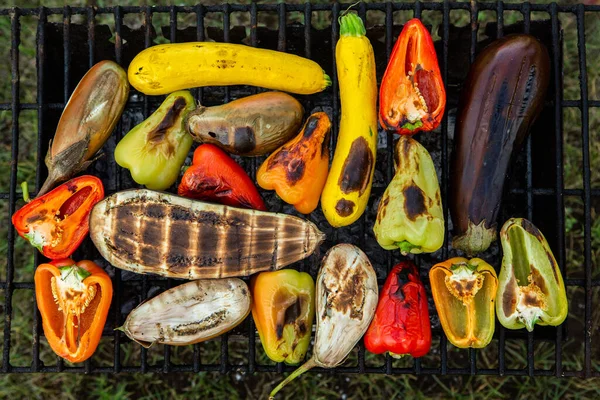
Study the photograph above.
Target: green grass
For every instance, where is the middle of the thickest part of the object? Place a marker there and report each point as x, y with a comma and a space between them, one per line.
311, 385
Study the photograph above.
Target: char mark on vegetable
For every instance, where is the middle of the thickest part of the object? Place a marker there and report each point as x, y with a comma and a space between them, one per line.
193, 328
38, 216
346, 293
244, 139
538, 280
344, 207
158, 134
295, 170
311, 126
529, 227
555, 270
356, 171
509, 298
150, 256
414, 202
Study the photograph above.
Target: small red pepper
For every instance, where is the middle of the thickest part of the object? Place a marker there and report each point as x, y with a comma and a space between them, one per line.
57, 222
214, 176
401, 323
412, 97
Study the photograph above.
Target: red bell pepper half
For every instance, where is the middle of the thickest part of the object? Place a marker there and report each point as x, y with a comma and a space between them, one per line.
216, 177
401, 323
412, 97
57, 222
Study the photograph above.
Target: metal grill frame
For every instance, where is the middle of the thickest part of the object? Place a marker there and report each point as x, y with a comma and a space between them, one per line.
558, 192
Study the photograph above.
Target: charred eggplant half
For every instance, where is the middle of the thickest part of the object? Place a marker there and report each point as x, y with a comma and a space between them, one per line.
503, 95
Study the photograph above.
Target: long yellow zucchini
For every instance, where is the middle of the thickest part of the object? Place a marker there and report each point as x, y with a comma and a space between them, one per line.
348, 186
166, 68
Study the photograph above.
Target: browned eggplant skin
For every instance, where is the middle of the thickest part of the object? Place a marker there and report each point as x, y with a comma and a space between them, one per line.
503, 95
87, 121
251, 126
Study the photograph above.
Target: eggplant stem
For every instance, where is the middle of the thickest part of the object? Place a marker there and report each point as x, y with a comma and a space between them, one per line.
48, 184
302, 369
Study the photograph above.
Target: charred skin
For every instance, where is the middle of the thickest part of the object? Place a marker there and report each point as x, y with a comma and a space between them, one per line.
159, 233
297, 171
87, 122
531, 288
410, 215
252, 126
503, 95
348, 186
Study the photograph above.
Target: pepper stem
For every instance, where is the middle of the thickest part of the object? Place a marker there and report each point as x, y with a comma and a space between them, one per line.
406, 247
412, 126
352, 25
302, 369
25, 189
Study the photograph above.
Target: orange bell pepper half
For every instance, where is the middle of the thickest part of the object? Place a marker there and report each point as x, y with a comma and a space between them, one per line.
73, 299
297, 171
57, 222
412, 97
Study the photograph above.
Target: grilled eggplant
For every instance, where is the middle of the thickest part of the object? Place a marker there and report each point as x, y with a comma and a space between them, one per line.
152, 232
189, 313
503, 95
253, 126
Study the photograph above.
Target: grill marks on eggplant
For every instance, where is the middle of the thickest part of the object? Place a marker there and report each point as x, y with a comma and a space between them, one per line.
150, 235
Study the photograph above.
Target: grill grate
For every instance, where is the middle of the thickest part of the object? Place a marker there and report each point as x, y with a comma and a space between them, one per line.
48, 109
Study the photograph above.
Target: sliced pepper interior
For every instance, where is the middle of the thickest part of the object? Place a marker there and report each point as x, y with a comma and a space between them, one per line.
527, 295
412, 92
464, 292
73, 300
57, 222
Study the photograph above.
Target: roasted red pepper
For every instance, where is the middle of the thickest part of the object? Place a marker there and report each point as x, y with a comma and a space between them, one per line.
57, 222
401, 323
214, 176
412, 97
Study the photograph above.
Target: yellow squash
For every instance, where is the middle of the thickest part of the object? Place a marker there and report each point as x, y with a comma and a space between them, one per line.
166, 68
348, 186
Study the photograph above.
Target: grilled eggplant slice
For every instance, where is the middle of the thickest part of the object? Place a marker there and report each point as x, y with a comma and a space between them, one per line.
152, 232
189, 313
503, 95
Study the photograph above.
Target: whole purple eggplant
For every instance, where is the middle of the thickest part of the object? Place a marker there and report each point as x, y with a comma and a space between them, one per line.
503, 95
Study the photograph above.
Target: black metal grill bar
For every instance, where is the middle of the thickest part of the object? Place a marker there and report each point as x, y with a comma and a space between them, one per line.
224, 365
10, 268
147, 11
405, 6
343, 370
571, 282
140, 103
586, 187
558, 142
39, 162
118, 285
594, 192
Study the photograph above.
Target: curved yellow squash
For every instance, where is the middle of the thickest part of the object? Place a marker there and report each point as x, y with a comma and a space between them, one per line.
348, 186
167, 68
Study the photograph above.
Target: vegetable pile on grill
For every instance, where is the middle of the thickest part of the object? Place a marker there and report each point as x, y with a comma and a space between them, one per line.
218, 228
